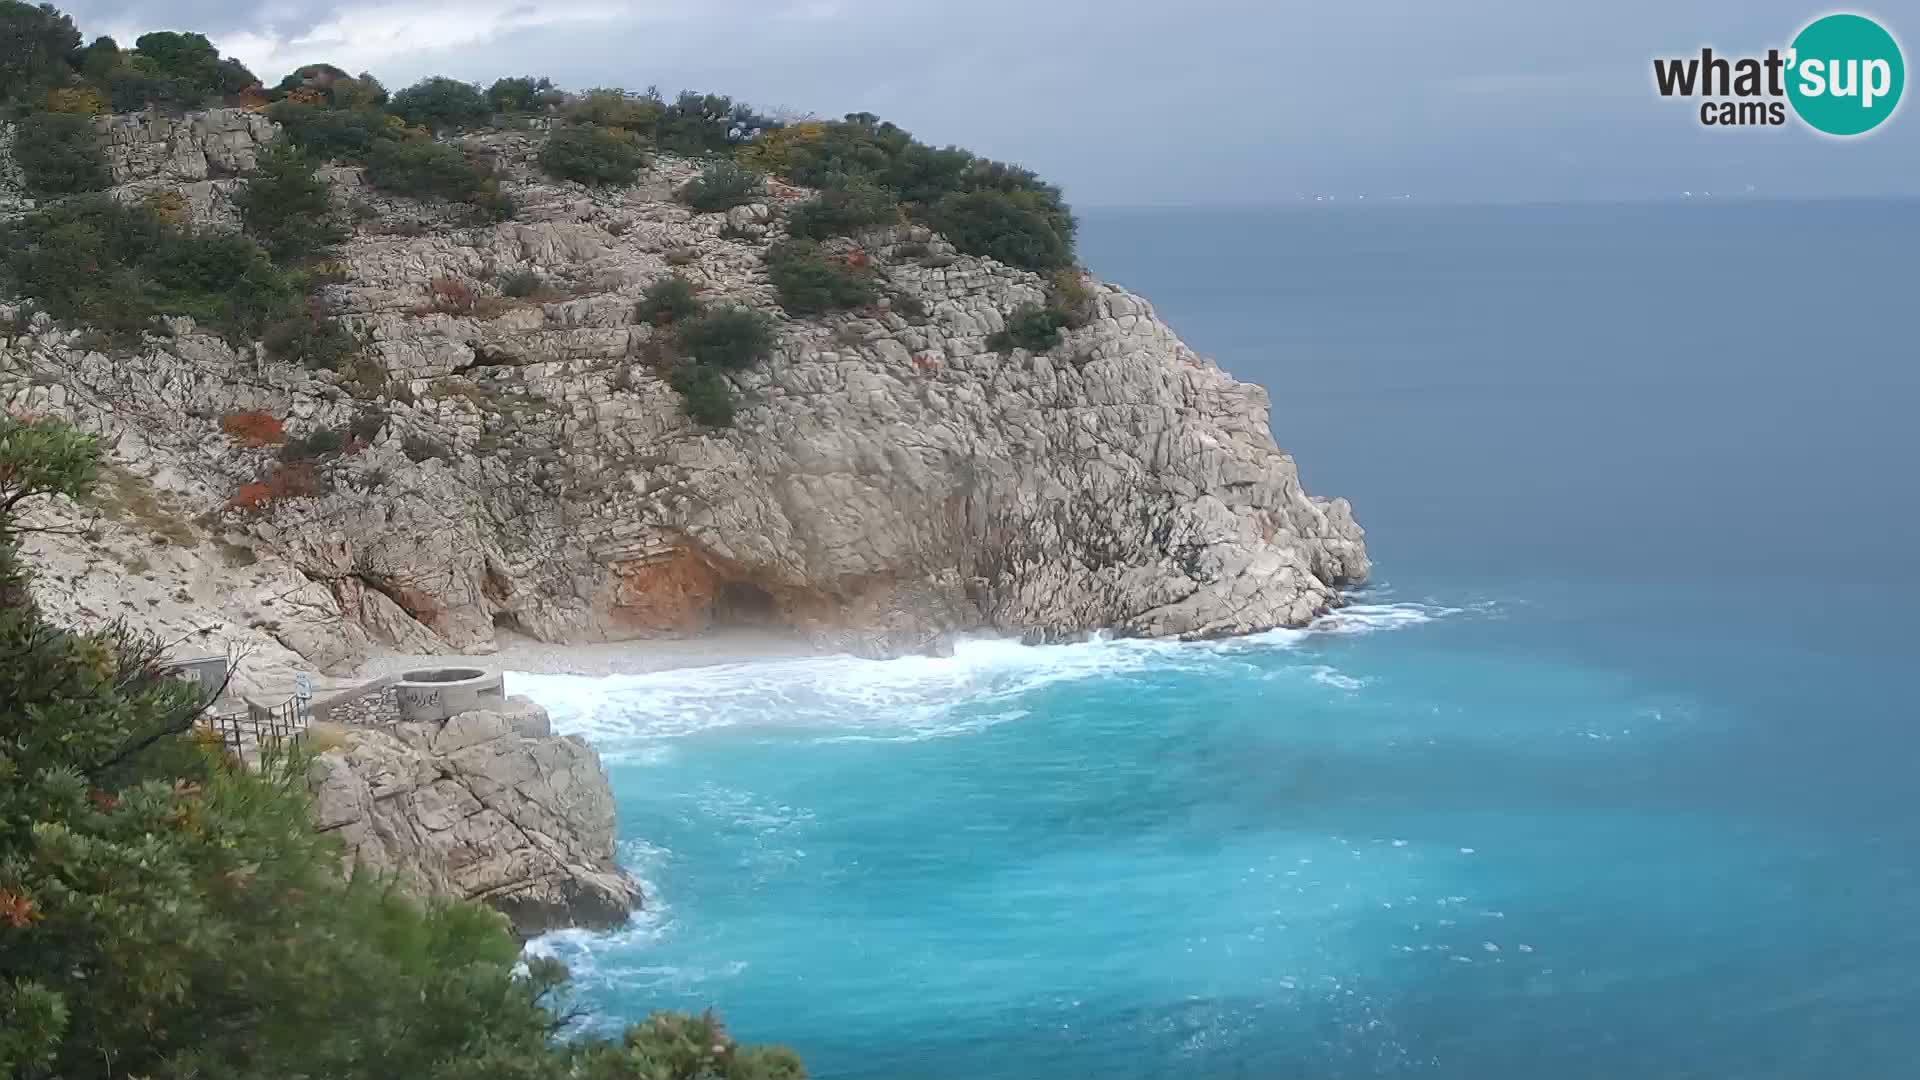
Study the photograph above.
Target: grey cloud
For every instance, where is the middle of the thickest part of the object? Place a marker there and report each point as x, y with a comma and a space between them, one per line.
1129, 101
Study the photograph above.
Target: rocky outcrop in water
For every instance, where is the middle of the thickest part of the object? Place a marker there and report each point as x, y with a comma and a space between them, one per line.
889, 478
487, 806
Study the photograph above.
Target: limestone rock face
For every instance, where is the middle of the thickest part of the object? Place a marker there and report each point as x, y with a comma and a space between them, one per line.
491, 807
889, 479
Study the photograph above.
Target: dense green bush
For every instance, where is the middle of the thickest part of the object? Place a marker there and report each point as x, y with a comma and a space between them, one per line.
168, 911
423, 169
1020, 228
523, 94
224, 280
191, 61
288, 208
35, 41
808, 281
60, 154
698, 124
439, 102
705, 392
615, 108
723, 186
331, 134
728, 337
99, 58
839, 211
93, 261
522, 284
311, 340
984, 207
667, 301
593, 154
1033, 327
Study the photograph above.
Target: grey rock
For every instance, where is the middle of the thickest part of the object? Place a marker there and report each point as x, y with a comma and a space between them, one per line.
488, 806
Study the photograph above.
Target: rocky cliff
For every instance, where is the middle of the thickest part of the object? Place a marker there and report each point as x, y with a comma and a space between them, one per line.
526, 466
490, 807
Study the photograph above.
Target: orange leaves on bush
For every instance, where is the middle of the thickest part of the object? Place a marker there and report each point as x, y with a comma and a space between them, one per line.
297, 480
253, 429
250, 497
16, 910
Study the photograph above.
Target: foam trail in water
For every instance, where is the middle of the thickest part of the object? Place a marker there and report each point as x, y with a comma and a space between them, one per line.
912, 697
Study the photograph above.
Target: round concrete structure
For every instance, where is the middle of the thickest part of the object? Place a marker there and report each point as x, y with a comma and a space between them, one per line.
441, 693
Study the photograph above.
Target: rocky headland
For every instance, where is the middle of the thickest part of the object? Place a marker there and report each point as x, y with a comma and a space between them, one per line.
520, 462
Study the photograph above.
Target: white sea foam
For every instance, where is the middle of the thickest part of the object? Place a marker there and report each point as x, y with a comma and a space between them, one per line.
909, 698
1372, 618
1327, 676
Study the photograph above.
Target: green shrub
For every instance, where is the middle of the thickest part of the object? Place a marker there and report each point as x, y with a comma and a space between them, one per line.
666, 301
192, 63
1033, 327
522, 94
859, 205
672, 1046
422, 169
593, 154
99, 58
615, 108
705, 392
698, 124
985, 207
60, 154
331, 134
288, 208
366, 424
438, 103
318, 443
35, 41
723, 186
1028, 229
309, 340
522, 284
94, 261
729, 337
224, 280
809, 282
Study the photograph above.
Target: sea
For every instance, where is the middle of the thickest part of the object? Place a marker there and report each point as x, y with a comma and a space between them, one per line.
1610, 772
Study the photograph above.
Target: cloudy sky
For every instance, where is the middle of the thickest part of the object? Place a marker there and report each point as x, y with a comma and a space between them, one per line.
1148, 101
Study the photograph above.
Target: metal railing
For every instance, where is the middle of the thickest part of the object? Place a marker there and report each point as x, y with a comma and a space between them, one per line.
259, 726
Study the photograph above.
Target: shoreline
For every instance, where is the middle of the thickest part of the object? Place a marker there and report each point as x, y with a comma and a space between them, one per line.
642, 656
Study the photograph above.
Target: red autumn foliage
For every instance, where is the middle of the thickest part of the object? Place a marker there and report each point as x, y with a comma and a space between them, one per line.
253, 429
297, 480
856, 259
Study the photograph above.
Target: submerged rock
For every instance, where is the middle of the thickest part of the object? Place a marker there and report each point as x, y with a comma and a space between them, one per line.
486, 806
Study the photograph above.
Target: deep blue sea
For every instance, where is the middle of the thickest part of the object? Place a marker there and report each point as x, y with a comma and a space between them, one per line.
1611, 773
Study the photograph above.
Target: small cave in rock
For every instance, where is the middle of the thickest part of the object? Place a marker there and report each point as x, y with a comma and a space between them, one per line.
506, 622
742, 603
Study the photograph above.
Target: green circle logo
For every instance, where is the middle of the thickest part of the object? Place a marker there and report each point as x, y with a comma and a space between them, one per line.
1845, 74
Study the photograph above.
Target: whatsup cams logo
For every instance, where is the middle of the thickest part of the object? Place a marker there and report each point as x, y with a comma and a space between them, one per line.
1842, 76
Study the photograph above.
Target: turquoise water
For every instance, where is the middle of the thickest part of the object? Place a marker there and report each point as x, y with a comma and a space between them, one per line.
1609, 774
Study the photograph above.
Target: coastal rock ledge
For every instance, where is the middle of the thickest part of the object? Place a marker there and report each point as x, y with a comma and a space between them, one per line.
519, 462
487, 806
